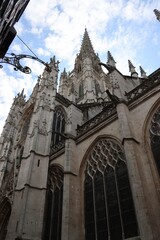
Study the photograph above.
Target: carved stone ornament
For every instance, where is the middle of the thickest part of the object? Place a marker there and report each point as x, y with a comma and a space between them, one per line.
43, 129
35, 125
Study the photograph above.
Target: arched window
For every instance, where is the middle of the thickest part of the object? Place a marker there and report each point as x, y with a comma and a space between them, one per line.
109, 209
155, 137
81, 90
58, 126
53, 215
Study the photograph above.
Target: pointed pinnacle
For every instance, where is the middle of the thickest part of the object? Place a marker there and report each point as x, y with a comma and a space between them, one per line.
22, 93
143, 73
111, 60
132, 69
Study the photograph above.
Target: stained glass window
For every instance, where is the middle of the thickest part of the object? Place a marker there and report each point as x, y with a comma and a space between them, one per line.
58, 126
53, 215
5, 211
109, 208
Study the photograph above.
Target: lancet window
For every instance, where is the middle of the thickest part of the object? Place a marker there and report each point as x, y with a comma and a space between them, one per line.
155, 137
58, 126
81, 90
53, 215
109, 208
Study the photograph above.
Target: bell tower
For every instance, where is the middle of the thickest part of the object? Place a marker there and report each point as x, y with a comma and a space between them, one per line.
26, 221
87, 80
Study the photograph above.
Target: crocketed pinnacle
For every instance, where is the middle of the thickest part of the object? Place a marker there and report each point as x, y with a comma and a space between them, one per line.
86, 47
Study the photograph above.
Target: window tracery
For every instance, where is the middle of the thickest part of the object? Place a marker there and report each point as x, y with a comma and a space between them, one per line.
109, 209
155, 137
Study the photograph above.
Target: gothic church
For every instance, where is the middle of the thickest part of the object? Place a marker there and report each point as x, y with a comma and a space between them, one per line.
83, 162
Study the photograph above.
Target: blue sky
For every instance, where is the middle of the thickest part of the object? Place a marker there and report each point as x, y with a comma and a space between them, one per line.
128, 29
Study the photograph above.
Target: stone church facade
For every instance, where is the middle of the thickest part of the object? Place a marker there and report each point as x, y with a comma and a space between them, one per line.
83, 162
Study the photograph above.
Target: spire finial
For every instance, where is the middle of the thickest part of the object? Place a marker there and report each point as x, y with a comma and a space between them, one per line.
132, 69
143, 73
22, 93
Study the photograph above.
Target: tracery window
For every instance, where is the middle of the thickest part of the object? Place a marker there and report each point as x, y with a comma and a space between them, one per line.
155, 137
53, 215
58, 126
109, 208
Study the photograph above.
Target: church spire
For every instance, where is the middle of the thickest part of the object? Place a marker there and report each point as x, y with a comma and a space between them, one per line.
86, 47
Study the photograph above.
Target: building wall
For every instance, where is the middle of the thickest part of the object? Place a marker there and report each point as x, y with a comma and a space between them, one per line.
31, 167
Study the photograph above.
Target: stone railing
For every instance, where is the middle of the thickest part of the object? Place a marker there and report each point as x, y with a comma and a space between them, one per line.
57, 147
143, 88
102, 116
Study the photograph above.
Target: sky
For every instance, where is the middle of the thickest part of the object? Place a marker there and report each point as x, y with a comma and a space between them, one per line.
128, 29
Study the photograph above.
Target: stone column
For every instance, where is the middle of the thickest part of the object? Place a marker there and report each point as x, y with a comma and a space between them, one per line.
131, 146
71, 222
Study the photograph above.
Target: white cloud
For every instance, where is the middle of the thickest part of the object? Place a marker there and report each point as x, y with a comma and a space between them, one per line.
43, 52
16, 48
36, 30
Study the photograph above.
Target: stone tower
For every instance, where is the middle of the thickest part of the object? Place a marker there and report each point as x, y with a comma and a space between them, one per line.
82, 162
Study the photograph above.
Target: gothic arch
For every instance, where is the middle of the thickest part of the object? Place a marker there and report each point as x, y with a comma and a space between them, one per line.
148, 133
54, 198
108, 205
84, 159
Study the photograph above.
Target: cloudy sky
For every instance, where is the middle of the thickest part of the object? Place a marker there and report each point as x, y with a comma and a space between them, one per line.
128, 29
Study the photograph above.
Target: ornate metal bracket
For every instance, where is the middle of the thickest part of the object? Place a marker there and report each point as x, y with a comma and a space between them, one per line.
14, 60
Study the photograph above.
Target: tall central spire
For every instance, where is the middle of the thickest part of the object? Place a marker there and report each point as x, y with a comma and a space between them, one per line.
86, 47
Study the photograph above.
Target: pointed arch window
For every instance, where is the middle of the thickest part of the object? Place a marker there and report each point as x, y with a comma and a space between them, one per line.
155, 137
109, 208
54, 198
81, 93
58, 126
